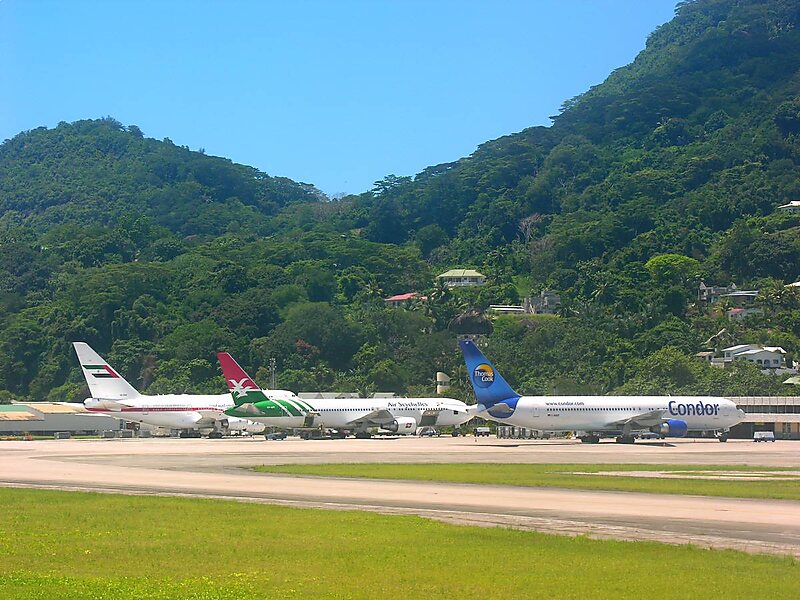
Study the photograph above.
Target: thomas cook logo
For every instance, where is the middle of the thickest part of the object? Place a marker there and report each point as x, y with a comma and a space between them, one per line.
483, 375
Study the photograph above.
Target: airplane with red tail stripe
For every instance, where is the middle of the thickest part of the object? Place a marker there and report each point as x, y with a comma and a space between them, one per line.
191, 414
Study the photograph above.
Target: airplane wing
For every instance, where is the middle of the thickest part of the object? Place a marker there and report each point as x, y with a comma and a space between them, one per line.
105, 404
209, 417
213, 415
376, 418
75, 408
641, 421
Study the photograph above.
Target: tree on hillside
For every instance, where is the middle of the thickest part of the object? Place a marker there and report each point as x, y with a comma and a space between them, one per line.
672, 268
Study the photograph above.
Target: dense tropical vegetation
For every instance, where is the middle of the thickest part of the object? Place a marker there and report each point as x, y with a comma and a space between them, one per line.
668, 173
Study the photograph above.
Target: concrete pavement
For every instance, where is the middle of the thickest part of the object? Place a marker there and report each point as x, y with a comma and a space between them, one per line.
218, 469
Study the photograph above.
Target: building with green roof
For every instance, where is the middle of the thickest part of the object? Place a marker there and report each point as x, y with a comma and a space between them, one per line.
462, 278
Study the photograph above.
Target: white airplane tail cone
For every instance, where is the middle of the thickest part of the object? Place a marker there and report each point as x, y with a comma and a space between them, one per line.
103, 381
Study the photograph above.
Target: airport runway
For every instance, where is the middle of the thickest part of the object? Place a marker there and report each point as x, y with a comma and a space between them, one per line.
218, 469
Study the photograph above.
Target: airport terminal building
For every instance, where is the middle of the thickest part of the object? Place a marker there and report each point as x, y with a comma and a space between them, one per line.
779, 414
46, 418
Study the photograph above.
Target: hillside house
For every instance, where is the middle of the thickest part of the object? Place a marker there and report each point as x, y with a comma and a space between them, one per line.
705, 356
462, 278
740, 298
711, 293
507, 309
729, 353
766, 357
401, 300
741, 304
546, 303
737, 314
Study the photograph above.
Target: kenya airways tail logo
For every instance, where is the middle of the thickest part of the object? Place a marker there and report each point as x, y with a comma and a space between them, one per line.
101, 371
241, 387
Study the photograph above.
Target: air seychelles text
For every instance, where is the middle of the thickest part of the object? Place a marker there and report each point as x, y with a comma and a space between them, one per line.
700, 409
411, 404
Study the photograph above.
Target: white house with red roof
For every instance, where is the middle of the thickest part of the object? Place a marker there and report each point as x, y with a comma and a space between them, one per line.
400, 300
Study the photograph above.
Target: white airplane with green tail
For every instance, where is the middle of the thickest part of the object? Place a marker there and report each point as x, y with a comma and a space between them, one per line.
285, 410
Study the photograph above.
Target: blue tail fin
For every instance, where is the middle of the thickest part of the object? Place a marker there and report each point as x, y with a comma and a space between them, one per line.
490, 387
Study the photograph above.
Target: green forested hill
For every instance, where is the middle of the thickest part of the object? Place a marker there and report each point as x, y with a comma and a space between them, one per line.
667, 173
669, 152
98, 171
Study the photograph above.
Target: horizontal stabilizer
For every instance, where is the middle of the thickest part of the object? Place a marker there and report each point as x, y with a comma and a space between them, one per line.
501, 409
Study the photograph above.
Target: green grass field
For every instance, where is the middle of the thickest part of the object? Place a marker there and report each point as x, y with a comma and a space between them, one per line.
76, 545
558, 475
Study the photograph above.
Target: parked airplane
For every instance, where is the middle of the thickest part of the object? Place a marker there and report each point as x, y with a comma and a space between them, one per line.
596, 416
189, 413
280, 408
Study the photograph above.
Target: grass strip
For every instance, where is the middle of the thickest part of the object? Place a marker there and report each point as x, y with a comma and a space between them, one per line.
563, 476
80, 545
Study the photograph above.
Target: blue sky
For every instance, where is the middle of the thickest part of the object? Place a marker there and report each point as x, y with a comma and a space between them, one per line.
337, 93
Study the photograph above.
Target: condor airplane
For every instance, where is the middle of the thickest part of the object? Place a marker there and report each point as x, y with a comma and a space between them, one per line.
189, 413
279, 408
623, 417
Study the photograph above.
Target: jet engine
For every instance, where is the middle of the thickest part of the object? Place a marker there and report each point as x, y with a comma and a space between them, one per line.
235, 424
185, 420
402, 426
671, 428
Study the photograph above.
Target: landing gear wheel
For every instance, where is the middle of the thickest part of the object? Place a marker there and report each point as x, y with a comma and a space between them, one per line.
723, 437
625, 439
590, 439
215, 435
362, 435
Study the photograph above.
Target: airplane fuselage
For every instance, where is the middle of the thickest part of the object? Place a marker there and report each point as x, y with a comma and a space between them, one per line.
172, 411
340, 413
289, 411
437, 412
601, 414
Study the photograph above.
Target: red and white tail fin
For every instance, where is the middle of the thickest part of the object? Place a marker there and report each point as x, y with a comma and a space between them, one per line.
239, 382
103, 381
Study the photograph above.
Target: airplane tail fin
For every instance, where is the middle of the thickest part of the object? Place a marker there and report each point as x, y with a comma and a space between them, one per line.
239, 382
490, 387
103, 381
